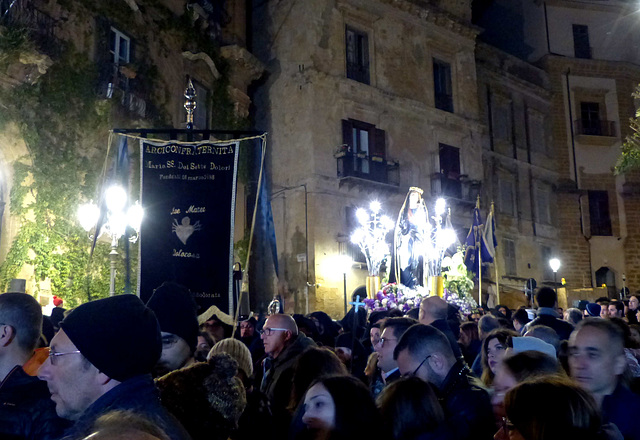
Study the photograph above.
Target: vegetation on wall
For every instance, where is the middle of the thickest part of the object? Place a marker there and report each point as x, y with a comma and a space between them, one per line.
630, 157
65, 123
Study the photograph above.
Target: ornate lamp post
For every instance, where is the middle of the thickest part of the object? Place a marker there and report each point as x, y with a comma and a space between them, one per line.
115, 225
554, 263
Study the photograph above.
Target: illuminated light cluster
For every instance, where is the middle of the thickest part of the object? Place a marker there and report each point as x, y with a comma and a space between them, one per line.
371, 236
442, 237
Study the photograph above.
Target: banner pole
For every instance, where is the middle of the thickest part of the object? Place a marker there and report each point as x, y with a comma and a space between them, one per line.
495, 256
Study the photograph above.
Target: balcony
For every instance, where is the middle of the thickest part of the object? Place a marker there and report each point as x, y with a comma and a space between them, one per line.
120, 82
39, 26
596, 132
357, 166
460, 189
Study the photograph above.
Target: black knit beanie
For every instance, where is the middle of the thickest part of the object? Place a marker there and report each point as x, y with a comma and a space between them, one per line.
119, 335
176, 312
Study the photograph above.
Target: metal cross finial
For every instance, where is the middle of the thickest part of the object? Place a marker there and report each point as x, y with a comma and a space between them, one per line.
190, 103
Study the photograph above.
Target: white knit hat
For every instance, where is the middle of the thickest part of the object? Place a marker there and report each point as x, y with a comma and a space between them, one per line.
238, 351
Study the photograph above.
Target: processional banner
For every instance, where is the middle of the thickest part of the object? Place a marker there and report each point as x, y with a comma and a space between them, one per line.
188, 197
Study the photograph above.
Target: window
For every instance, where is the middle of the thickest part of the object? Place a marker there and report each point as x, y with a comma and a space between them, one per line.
367, 158
357, 44
353, 250
546, 255
599, 213
510, 266
581, 46
502, 121
119, 48
542, 205
450, 184
537, 134
442, 85
507, 196
590, 118
201, 113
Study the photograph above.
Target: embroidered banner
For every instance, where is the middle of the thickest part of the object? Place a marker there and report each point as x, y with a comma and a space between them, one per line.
188, 196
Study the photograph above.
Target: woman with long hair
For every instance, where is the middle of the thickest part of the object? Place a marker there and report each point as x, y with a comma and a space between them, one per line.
340, 408
494, 347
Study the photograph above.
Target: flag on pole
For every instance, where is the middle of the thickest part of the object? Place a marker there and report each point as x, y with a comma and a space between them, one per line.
489, 242
472, 243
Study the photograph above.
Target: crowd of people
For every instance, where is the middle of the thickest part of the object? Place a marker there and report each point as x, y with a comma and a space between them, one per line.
117, 368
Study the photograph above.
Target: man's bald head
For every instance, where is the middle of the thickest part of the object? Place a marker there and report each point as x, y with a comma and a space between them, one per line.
283, 321
432, 308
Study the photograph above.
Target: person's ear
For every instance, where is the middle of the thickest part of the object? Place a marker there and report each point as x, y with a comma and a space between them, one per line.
7, 335
620, 364
437, 362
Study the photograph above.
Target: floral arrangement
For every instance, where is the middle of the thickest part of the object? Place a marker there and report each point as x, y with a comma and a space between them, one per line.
396, 296
458, 284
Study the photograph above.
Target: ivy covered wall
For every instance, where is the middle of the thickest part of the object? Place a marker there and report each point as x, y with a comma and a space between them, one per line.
54, 91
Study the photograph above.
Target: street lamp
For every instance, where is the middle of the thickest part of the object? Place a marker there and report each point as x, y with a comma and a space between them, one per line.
554, 263
343, 264
115, 225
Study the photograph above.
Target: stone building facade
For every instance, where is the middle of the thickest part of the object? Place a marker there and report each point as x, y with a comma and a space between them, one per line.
362, 100
589, 50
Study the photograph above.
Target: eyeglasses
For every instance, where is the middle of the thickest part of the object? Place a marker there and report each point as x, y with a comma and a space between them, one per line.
416, 370
53, 355
383, 340
269, 331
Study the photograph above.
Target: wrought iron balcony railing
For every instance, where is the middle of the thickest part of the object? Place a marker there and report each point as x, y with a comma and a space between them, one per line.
375, 169
39, 25
598, 127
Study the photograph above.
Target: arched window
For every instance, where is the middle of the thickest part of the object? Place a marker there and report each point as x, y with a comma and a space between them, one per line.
604, 275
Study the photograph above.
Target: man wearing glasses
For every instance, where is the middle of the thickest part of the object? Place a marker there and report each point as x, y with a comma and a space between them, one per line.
391, 331
26, 410
101, 361
282, 345
424, 351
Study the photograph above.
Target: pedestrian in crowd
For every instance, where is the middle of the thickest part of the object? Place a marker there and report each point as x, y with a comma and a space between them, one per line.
207, 397
504, 311
205, 344
26, 409
341, 408
392, 331
352, 354
217, 323
494, 348
520, 318
516, 368
592, 310
547, 315
282, 345
327, 328
434, 311
424, 351
630, 347
175, 310
616, 309
634, 308
101, 360
125, 425
573, 316
469, 341
410, 407
550, 408
597, 363
546, 334
604, 309
248, 334
486, 325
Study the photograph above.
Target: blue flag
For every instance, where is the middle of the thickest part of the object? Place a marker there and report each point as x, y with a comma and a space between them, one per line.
266, 221
472, 243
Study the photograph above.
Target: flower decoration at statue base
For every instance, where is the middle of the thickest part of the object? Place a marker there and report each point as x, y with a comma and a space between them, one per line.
396, 296
371, 236
458, 284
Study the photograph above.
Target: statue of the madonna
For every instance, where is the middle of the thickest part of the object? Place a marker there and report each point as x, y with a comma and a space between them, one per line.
410, 240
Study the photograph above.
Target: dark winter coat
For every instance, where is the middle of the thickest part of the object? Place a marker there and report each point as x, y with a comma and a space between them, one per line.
138, 395
562, 328
467, 405
622, 408
26, 409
